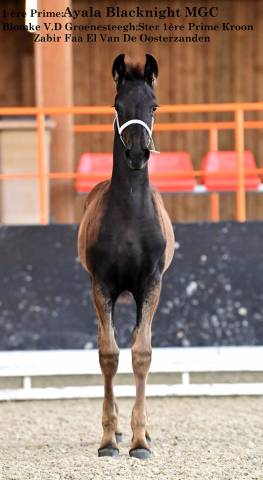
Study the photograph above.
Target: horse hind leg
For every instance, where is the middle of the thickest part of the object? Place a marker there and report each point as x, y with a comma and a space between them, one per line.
109, 358
141, 360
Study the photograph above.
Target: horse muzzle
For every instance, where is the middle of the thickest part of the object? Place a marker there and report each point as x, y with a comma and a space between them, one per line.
137, 159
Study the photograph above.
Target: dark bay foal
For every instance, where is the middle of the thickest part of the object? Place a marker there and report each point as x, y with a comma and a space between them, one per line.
126, 243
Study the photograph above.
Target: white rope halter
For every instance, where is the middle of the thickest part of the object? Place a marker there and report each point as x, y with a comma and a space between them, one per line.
138, 122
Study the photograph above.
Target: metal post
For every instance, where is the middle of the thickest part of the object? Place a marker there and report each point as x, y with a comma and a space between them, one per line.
239, 146
185, 378
43, 203
214, 197
27, 383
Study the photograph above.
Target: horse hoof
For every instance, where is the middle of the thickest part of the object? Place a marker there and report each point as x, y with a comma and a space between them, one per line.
118, 436
108, 451
140, 453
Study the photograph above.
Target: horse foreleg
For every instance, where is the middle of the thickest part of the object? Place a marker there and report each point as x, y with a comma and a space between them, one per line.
141, 361
108, 357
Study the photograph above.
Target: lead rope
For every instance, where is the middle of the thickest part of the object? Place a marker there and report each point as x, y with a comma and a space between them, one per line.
138, 122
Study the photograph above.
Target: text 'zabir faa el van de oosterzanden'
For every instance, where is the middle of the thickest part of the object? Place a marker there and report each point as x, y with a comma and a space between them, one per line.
134, 28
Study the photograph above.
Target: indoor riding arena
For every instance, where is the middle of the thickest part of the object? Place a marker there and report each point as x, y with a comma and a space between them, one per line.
131, 341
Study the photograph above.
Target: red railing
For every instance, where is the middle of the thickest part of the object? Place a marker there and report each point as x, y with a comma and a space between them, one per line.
238, 124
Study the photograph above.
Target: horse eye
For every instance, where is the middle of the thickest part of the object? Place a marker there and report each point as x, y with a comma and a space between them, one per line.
155, 108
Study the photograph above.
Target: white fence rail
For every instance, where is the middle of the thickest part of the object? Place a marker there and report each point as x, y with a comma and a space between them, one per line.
183, 361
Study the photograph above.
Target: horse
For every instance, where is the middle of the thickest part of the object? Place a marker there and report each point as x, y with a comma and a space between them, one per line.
126, 243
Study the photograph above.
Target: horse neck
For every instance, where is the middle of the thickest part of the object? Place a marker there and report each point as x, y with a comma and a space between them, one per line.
130, 187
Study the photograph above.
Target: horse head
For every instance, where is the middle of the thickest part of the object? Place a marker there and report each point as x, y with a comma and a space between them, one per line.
135, 104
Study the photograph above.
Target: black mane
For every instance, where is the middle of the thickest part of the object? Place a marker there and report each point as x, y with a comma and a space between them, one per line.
122, 71
134, 72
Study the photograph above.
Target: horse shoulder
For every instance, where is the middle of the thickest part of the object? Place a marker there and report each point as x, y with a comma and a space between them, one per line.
166, 227
94, 207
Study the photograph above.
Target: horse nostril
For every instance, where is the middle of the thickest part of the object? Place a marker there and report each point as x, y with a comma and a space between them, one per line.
146, 153
127, 152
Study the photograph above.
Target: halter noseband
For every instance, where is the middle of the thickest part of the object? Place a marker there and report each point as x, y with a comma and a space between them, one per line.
138, 122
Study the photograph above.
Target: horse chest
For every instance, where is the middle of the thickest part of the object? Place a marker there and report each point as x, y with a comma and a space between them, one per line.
125, 251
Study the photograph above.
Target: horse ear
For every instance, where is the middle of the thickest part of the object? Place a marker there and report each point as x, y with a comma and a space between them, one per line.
150, 69
118, 69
